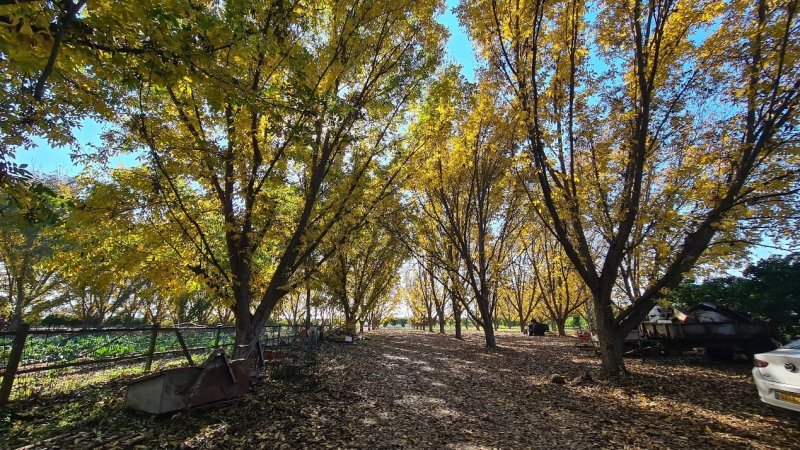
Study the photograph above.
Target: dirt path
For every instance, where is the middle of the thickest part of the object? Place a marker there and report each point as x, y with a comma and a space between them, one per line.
421, 390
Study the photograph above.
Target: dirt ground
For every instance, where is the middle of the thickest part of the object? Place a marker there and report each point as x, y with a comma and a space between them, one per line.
402, 389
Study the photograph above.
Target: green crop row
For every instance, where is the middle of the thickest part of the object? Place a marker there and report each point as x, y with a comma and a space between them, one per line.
68, 347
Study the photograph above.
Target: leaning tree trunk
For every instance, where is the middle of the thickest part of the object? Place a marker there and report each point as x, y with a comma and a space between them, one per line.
488, 329
19, 305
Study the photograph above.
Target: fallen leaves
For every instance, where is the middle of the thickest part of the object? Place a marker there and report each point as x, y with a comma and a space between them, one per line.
415, 389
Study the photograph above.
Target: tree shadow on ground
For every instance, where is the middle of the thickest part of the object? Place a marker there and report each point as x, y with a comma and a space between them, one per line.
421, 390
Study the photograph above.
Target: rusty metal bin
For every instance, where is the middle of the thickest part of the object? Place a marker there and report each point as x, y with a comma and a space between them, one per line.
174, 389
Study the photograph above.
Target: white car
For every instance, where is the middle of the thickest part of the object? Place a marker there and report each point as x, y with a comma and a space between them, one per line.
777, 376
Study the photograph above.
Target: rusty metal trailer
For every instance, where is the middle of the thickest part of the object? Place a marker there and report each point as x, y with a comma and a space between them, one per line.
174, 389
721, 340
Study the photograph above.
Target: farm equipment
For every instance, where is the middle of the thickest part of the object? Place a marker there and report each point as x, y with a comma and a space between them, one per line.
174, 389
220, 378
722, 332
297, 359
537, 329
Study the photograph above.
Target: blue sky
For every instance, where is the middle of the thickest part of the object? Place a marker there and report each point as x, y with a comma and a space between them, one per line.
459, 48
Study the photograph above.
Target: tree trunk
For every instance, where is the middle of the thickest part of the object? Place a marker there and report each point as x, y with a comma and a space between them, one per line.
560, 324
488, 329
308, 305
611, 340
16, 320
244, 331
361, 327
240, 265
457, 317
19, 305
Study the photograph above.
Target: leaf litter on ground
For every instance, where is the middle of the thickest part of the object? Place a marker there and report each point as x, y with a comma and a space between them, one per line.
402, 389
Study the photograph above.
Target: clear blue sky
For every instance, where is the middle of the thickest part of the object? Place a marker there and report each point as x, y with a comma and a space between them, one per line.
459, 48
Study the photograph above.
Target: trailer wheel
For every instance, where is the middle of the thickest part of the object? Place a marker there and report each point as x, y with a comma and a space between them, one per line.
760, 346
719, 353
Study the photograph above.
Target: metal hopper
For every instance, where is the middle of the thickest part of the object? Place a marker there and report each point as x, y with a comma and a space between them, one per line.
174, 389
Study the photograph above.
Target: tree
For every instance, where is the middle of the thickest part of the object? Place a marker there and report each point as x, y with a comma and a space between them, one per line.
521, 293
418, 300
29, 239
561, 290
363, 272
665, 137
468, 197
119, 254
381, 312
93, 306
262, 133
290, 307
32, 34
434, 291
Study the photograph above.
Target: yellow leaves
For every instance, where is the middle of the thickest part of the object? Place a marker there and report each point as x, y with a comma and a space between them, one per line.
713, 11
26, 29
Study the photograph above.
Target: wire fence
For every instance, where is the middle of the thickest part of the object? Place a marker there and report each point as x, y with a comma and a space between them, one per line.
48, 362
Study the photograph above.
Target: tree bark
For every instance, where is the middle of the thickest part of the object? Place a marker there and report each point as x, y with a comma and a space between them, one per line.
611, 351
429, 320
19, 305
488, 329
457, 317
308, 305
611, 340
560, 325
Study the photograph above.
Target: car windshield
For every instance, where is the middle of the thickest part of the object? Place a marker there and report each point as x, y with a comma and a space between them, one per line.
794, 345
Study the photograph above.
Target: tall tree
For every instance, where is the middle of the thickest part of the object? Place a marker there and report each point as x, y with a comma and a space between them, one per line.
521, 294
273, 131
656, 127
468, 196
561, 290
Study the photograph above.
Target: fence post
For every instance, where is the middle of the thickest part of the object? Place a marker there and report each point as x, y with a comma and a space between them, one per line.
151, 349
184, 347
13, 363
216, 338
